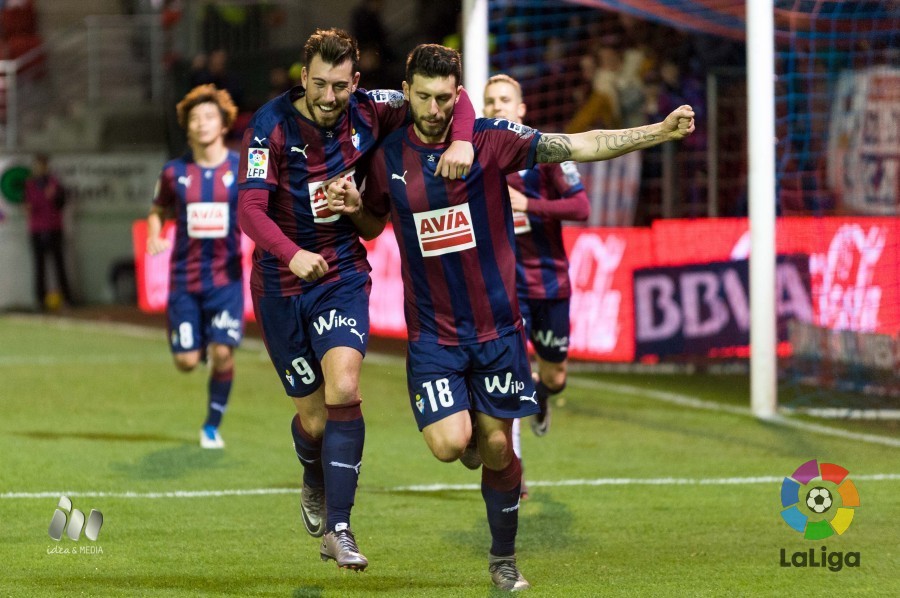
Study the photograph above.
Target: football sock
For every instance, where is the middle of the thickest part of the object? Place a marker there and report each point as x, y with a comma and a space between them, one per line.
219, 391
342, 447
544, 391
500, 490
309, 452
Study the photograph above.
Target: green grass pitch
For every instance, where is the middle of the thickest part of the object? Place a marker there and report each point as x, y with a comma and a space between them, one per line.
628, 492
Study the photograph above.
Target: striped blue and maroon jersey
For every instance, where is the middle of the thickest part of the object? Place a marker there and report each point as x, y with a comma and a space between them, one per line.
290, 157
457, 248
203, 201
555, 193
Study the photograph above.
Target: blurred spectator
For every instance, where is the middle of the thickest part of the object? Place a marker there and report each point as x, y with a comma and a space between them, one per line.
279, 81
239, 27
376, 58
170, 16
602, 108
437, 20
44, 201
214, 69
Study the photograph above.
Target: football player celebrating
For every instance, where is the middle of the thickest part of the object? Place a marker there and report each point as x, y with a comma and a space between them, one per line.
310, 281
466, 350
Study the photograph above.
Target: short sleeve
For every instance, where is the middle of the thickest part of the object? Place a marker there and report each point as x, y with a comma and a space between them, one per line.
514, 145
260, 158
164, 195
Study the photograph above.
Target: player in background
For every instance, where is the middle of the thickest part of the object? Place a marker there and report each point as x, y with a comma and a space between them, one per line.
466, 349
205, 311
541, 199
310, 281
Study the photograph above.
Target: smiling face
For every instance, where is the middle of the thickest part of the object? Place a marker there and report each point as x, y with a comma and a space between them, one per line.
328, 89
431, 101
205, 125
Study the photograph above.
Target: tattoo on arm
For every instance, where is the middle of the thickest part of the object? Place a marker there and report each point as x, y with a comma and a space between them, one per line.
617, 141
554, 149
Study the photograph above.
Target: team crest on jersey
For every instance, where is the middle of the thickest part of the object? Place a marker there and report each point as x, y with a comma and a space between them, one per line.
570, 171
521, 223
257, 163
354, 139
318, 203
445, 230
391, 97
228, 179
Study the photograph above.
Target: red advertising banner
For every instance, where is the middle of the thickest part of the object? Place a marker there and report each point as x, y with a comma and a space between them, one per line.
152, 271
601, 264
852, 266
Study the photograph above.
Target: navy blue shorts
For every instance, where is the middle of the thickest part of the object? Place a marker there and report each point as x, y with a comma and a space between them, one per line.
299, 330
547, 326
214, 316
493, 377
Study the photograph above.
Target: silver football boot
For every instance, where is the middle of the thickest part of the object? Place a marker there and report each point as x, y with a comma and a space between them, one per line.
312, 510
505, 574
340, 546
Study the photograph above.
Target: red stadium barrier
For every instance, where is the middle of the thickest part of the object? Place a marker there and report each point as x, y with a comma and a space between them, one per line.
152, 271
842, 273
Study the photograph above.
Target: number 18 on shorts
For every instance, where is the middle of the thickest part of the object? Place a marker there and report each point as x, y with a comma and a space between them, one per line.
493, 377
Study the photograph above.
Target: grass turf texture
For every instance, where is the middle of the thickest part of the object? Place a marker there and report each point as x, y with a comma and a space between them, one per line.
88, 408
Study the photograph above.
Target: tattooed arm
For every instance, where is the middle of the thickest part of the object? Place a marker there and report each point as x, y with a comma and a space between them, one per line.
599, 144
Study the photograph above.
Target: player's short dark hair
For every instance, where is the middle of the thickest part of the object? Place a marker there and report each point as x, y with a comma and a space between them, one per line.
433, 60
203, 94
333, 46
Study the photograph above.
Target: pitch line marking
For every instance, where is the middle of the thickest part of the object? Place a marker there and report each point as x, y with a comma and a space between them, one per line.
695, 403
386, 359
425, 488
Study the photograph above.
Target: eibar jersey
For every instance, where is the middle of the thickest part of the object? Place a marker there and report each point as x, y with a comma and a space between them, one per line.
456, 242
291, 157
555, 193
207, 250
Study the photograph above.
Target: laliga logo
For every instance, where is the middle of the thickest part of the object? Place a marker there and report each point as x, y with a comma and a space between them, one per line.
818, 500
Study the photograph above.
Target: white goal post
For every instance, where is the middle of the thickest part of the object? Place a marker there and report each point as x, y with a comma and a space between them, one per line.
761, 179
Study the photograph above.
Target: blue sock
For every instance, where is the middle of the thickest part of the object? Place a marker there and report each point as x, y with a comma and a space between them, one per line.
219, 391
342, 447
500, 490
309, 452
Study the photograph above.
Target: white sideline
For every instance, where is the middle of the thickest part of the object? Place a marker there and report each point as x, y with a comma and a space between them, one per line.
695, 403
876, 477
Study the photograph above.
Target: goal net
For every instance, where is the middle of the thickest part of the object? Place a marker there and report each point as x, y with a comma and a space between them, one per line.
620, 63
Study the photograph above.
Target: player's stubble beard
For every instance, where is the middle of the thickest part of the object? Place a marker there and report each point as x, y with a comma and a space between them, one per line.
326, 120
432, 132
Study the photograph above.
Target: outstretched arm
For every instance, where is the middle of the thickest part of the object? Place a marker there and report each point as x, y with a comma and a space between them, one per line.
599, 144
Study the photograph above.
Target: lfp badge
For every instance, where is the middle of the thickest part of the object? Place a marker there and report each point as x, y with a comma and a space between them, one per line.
818, 500
257, 163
